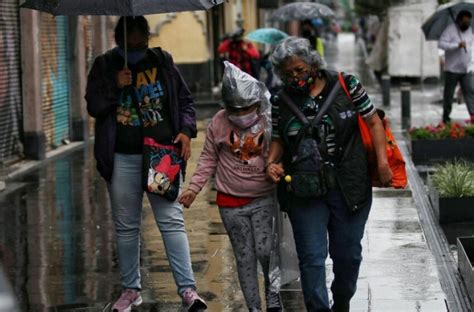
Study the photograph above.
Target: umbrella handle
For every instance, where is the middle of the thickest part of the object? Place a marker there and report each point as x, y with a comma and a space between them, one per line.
125, 48
454, 20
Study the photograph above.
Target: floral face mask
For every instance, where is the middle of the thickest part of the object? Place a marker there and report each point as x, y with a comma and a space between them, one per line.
302, 84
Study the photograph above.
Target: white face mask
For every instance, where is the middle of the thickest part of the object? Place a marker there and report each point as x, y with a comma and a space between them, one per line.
245, 121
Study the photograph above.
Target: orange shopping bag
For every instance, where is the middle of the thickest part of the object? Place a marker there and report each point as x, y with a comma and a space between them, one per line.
394, 156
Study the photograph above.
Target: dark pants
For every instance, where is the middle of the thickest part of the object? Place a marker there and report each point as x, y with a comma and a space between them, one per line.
313, 221
450, 82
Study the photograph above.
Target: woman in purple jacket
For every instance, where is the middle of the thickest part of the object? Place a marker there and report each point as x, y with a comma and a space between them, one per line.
153, 84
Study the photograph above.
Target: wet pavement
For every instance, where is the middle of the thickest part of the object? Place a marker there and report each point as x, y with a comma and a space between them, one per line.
57, 245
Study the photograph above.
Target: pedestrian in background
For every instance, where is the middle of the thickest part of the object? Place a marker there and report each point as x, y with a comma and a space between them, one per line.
339, 194
308, 31
151, 89
457, 40
235, 150
241, 53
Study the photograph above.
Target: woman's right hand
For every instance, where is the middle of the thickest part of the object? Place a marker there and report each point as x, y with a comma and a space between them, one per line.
124, 78
275, 172
187, 198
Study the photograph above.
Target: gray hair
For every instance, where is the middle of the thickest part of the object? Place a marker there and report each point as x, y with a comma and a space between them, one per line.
295, 47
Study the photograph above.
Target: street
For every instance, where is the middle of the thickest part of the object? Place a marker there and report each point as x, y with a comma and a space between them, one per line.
57, 242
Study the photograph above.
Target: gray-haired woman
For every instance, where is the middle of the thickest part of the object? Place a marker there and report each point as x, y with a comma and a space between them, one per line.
341, 209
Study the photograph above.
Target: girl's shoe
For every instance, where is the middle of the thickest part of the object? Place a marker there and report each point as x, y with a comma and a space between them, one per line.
273, 302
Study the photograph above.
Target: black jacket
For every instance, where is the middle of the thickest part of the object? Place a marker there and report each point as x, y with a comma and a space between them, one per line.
103, 95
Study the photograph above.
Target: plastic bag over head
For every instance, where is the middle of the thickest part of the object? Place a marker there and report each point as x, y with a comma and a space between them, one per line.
240, 90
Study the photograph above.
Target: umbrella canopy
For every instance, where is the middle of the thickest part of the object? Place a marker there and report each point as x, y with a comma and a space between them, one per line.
117, 7
301, 11
445, 15
270, 36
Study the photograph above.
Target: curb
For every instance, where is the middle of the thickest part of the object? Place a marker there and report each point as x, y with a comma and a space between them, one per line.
451, 284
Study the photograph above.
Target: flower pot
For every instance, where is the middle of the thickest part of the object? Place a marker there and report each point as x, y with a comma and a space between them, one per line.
466, 262
451, 210
424, 151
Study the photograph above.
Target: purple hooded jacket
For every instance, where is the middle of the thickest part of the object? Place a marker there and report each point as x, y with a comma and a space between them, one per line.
103, 95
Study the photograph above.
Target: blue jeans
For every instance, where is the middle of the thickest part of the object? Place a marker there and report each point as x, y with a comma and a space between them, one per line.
126, 196
314, 221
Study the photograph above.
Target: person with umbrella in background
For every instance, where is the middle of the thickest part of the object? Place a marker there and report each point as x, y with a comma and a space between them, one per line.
308, 31
242, 54
271, 37
457, 40
148, 98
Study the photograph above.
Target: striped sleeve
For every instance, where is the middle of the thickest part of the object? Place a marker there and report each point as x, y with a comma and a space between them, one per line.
360, 98
275, 117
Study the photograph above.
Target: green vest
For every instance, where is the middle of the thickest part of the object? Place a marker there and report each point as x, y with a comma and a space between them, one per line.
351, 164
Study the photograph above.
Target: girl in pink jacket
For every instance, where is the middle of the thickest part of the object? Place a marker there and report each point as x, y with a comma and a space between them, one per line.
235, 150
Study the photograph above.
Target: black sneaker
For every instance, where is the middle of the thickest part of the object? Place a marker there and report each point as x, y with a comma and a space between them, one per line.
273, 300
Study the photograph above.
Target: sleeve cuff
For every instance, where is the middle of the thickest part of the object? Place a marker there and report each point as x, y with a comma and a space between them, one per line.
187, 131
196, 189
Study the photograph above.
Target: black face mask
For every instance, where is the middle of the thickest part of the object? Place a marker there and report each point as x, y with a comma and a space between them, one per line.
464, 27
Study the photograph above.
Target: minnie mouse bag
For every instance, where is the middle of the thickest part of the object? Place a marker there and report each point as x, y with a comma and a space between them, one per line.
162, 166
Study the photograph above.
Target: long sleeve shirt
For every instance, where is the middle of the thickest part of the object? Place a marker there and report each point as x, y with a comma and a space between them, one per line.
236, 157
457, 60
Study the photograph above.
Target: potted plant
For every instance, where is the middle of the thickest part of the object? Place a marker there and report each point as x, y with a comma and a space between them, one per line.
451, 190
442, 142
466, 262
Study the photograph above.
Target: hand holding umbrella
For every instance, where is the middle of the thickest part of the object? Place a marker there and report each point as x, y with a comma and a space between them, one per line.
443, 17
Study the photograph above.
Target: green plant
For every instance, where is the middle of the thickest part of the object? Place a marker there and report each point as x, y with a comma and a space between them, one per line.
470, 131
454, 179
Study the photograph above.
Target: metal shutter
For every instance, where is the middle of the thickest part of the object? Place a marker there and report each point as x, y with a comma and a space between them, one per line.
10, 81
89, 42
55, 79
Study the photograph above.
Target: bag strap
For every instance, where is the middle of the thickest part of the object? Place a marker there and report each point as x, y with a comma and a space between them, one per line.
380, 112
294, 109
299, 114
342, 82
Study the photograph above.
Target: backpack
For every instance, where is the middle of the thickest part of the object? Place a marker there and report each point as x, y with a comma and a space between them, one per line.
306, 171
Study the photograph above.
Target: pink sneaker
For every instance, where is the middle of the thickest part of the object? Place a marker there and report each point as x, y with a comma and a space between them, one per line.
129, 298
192, 302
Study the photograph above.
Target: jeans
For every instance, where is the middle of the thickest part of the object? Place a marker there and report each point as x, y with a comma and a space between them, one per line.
450, 82
126, 196
314, 221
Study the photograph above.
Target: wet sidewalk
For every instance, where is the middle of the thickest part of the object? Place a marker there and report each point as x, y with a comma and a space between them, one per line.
57, 244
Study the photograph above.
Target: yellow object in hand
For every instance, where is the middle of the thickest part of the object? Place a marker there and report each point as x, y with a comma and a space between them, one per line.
288, 179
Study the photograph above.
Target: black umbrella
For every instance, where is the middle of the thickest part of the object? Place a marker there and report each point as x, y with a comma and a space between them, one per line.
443, 17
118, 7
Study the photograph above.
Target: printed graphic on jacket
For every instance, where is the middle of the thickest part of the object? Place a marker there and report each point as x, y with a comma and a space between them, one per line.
149, 92
246, 146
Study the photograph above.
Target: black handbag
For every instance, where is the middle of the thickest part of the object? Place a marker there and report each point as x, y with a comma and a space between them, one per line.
306, 173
